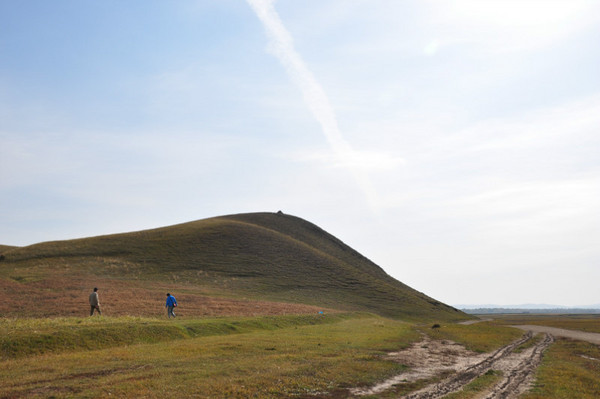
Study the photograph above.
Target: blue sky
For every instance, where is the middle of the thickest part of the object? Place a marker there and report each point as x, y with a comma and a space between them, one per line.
453, 143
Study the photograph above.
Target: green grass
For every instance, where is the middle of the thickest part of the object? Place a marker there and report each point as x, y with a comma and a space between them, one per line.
479, 337
25, 337
277, 361
569, 370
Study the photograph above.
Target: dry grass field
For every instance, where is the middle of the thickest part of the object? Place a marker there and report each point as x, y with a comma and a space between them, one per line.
62, 296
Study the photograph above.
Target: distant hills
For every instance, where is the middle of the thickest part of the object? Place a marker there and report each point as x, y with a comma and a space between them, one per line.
528, 308
259, 263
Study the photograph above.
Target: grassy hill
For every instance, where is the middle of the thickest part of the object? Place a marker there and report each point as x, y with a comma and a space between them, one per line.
4, 248
260, 263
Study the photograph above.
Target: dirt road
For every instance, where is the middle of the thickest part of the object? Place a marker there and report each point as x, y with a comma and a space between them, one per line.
517, 370
593, 338
429, 358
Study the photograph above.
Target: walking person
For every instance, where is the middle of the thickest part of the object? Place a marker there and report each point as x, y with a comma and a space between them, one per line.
94, 302
171, 303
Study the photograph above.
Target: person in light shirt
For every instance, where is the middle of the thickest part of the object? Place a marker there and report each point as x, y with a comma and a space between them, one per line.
94, 302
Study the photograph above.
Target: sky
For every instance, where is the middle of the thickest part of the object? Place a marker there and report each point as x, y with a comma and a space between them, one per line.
454, 143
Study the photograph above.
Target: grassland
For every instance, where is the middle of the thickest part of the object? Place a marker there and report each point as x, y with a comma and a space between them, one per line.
580, 322
271, 306
262, 357
25, 337
266, 357
233, 262
304, 356
570, 369
264, 304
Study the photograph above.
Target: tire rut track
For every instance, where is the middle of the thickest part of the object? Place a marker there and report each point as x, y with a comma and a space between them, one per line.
457, 381
518, 379
517, 368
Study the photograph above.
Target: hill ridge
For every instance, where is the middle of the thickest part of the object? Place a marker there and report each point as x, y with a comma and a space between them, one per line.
259, 256
339, 243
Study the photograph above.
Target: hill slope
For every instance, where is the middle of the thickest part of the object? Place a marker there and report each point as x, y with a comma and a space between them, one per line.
259, 256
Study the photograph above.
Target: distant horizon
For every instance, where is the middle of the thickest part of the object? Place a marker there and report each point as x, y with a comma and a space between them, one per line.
526, 306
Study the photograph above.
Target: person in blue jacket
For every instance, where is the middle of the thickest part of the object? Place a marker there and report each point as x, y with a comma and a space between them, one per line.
171, 303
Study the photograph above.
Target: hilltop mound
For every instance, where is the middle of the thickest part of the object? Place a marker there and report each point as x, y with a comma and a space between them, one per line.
252, 260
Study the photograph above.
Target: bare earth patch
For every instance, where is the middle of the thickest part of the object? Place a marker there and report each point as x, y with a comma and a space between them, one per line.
429, 358
426, 359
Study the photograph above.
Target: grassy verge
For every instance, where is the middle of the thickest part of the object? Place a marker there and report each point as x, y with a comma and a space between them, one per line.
26, 337
271, 362
569, 369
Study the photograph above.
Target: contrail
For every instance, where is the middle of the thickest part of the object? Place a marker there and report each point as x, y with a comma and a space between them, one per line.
282, 46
